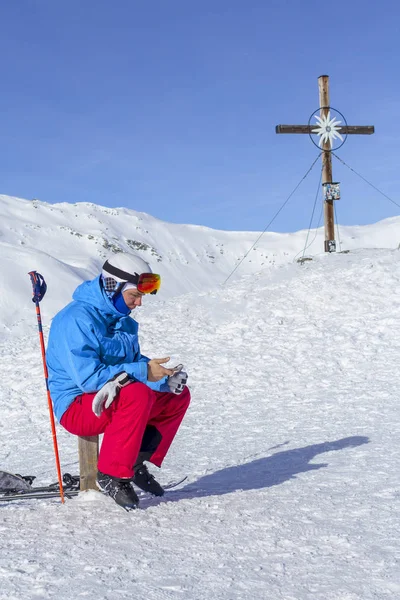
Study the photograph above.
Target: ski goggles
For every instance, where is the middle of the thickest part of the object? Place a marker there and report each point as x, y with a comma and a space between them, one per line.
148, 283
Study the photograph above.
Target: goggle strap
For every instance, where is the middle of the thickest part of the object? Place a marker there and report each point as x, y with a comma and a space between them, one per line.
121, 274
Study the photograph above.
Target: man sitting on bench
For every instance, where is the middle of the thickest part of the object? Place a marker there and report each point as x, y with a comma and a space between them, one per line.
101, 383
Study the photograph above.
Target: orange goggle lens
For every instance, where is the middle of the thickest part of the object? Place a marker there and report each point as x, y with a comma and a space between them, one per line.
149, 283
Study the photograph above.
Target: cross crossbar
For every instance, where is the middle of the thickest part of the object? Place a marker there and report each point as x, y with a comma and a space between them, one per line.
344, 129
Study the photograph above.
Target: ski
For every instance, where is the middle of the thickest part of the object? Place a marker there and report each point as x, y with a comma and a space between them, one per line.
18, 487
14, 487
167, 487
34, 495
174, 484
53, 487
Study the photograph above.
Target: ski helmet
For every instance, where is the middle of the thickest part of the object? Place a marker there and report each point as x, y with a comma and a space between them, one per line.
124, 267
121, 269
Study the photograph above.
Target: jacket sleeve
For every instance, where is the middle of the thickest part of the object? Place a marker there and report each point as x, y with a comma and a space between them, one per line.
157, 386
79, 353
143, 358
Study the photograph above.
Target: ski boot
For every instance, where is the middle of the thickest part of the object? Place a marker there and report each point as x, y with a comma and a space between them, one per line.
120, 490
145, 480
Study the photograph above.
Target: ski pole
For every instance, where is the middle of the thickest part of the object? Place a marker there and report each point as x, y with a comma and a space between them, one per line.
39, 288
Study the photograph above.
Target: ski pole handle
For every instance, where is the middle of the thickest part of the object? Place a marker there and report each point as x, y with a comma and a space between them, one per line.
39, 286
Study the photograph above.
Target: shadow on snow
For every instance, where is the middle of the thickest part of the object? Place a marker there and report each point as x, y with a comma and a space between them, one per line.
261, 473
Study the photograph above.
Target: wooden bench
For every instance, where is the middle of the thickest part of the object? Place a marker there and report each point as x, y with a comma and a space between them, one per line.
88, 455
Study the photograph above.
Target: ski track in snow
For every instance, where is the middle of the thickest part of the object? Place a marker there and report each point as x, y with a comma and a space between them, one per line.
291, 445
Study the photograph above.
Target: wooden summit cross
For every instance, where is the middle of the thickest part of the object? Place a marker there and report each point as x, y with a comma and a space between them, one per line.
325, 143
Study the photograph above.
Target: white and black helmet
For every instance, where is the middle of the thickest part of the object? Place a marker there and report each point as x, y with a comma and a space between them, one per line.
122, 268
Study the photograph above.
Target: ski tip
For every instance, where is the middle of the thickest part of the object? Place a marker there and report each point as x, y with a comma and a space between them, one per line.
174, 484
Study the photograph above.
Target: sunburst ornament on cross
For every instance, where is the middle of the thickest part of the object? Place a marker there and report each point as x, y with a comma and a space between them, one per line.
332, 130
328, 129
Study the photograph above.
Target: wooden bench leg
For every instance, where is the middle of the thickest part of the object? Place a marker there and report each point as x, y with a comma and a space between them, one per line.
88, 455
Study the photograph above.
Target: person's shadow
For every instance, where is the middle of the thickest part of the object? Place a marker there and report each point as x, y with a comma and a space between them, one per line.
258, 474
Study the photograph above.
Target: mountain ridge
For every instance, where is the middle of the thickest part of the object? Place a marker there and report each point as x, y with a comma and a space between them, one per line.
68, 243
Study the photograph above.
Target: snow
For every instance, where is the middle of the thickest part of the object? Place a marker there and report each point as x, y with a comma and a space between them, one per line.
291, 443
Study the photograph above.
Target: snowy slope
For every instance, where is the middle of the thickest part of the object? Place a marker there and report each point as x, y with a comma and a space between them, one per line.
68, 243
291, 443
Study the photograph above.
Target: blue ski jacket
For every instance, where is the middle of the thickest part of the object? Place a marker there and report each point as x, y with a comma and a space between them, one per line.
90, 342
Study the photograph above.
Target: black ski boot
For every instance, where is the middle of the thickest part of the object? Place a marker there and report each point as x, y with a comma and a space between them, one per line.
120, 490
143, 479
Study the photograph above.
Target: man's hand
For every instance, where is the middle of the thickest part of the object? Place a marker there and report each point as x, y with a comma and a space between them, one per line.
108, 392
155, 371
178, 380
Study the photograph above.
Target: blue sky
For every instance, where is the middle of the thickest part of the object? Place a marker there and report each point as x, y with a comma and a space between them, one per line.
170, 106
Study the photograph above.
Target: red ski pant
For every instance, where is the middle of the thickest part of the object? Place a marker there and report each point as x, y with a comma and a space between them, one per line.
124, 423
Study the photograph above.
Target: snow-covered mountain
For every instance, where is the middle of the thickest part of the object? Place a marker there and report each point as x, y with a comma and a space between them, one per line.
291, 443
68, 243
